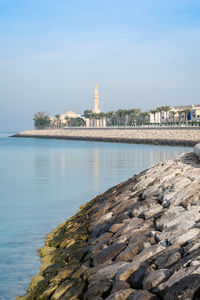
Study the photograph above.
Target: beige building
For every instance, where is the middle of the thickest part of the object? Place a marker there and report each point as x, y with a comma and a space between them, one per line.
69, 114
62, 120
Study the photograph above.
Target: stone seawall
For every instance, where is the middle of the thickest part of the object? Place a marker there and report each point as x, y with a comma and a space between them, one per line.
185, 137
139, 240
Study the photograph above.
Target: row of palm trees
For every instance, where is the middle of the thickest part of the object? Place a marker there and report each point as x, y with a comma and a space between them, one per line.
58, 122
132, 117
121, 117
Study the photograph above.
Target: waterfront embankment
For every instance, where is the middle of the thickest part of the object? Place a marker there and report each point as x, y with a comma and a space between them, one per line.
169, 136
138, 240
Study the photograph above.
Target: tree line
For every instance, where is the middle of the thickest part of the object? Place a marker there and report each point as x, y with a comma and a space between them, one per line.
42, 121
121, 117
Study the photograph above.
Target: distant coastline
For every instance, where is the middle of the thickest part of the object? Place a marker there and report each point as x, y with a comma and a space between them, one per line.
156, 136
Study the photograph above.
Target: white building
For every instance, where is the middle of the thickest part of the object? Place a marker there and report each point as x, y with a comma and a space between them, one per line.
176, 114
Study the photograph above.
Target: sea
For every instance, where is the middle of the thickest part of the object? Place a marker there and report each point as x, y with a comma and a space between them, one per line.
43, 182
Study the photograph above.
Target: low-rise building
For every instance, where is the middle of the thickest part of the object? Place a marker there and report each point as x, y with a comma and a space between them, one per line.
175, 114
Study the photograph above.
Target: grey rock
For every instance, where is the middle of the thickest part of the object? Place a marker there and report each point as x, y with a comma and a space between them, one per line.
93, 270
148, 252
154, 277
108, 253
139, 207
119, 285
131, 250
142, 295
185, 237
186, 288
197, 150
178, 215
120, 295
97, 290
168, 257
134, 223
126, 271
107, 272
150, 212
177, 276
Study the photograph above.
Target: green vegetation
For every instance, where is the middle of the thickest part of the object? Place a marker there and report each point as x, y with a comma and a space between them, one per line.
58, 123
121, 117
76, 122
41, 120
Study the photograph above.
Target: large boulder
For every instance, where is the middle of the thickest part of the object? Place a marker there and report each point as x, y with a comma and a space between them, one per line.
197, 150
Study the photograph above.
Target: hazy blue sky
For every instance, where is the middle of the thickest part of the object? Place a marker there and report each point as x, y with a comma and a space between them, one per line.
52, 53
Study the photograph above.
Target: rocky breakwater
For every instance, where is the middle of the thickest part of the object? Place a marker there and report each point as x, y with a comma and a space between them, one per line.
140, 240
162, 136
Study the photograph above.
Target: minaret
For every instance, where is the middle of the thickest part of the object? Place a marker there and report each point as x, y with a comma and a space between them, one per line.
96, 109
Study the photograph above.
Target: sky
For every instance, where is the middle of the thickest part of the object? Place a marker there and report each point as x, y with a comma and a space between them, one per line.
142, 54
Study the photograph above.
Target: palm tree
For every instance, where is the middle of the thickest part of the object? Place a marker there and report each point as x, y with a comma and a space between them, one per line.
88, 115
58, 121
77, 122
41, 120
165, 108
119, 115
124, 117
173, 113
128, 114
179, 115
67, 120
186, 111
109, 118
143, 118
115, 118
134, 113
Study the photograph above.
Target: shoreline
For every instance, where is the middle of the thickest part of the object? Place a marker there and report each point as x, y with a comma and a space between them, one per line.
175, 137
138, 240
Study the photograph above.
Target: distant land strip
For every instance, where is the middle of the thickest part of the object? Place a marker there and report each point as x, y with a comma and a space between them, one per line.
174, 137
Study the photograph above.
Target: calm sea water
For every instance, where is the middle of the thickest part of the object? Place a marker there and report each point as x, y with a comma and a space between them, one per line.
43, 182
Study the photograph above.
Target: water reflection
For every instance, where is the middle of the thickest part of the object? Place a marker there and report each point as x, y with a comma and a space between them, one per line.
96, 169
